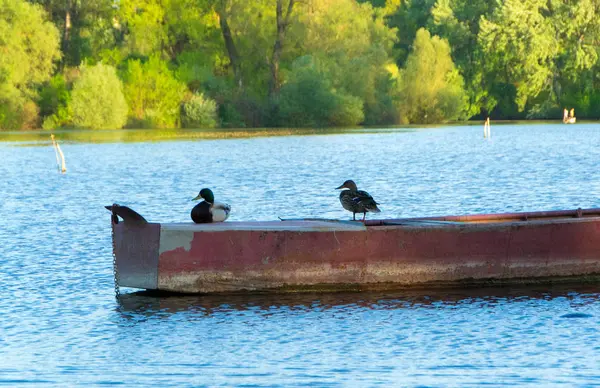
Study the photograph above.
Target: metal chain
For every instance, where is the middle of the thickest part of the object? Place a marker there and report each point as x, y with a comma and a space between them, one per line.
114, 220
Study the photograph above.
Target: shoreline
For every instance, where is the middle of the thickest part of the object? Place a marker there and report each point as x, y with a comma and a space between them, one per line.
42, 137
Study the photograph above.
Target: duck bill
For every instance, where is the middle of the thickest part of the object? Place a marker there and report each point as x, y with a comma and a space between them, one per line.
197, 198
341, 187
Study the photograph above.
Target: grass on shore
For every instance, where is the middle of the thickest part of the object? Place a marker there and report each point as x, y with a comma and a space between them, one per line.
145, 135
42, 137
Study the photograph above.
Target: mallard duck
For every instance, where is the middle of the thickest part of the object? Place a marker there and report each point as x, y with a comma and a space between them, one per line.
357, 201
209, 210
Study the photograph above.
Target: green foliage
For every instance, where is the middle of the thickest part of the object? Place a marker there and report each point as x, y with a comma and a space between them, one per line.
193, 69
578, 31
332, 62
16, 110
152, 93
543, 110
199, 112
91, 27
430, 88
146, 23
351, 47
29, 46
97, 99
53, 95
55, 103
254, 23
526, 39
458, 22
380, 109
28, 42
225, 93
408, 16
170, 27
308, 100
347, 111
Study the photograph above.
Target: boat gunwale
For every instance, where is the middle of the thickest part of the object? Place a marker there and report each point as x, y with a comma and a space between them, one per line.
497, 218
328, 225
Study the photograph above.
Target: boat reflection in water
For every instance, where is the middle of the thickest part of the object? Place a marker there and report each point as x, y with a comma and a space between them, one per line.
155, 304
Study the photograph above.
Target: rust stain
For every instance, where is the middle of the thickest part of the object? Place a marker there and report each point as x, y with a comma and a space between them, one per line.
299, 257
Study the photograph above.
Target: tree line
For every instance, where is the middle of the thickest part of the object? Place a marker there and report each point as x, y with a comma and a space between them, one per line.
294, 63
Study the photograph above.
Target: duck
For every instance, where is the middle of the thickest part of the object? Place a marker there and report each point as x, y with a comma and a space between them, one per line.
357, 201
208, 210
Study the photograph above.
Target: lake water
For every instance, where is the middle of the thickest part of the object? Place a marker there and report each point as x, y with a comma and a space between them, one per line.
60, 324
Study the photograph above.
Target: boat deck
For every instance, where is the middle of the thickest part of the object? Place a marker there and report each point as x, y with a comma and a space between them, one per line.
331, 225
284, 225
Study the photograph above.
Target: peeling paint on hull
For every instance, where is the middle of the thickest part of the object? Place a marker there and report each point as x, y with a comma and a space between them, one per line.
384, 254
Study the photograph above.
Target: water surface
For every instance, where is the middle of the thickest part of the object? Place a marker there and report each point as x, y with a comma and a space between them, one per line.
60, 324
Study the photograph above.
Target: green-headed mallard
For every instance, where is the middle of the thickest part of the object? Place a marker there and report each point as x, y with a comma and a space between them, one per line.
209, 210
357, 201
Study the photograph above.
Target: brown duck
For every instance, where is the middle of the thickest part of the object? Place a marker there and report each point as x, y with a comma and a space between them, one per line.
357, 201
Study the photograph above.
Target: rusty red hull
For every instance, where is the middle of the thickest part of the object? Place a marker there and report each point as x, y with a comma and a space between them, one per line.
383, 254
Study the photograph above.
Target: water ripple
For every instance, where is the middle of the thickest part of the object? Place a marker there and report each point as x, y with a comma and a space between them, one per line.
61, 325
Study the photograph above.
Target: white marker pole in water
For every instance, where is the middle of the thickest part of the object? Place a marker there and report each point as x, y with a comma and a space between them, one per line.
62, 167
487, 130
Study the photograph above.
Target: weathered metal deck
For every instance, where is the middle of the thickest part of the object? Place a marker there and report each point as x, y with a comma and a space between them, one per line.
297, 255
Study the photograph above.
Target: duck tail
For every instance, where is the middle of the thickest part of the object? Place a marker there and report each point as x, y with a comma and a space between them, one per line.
374, 209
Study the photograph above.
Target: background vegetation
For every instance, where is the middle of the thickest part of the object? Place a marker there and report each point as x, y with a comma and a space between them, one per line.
237, 63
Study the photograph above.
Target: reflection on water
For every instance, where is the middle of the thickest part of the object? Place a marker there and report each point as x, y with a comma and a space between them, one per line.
149, 303
60, 324
545, 335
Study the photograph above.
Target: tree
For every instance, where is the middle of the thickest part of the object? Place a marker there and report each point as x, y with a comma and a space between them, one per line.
573, 81
232, 51
153, 94
431, 89
55, 103
29, 44
169, 27
97, 99
241, 35
350, 45
308, 99
519, 45
458, 22
86, 27
283, 22
254, 34
407, 16
199, 112
146, 24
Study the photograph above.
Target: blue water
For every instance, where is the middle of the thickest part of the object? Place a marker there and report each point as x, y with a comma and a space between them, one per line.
60, 324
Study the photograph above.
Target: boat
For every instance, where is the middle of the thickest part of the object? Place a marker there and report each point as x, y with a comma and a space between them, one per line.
294, 255
570, 120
